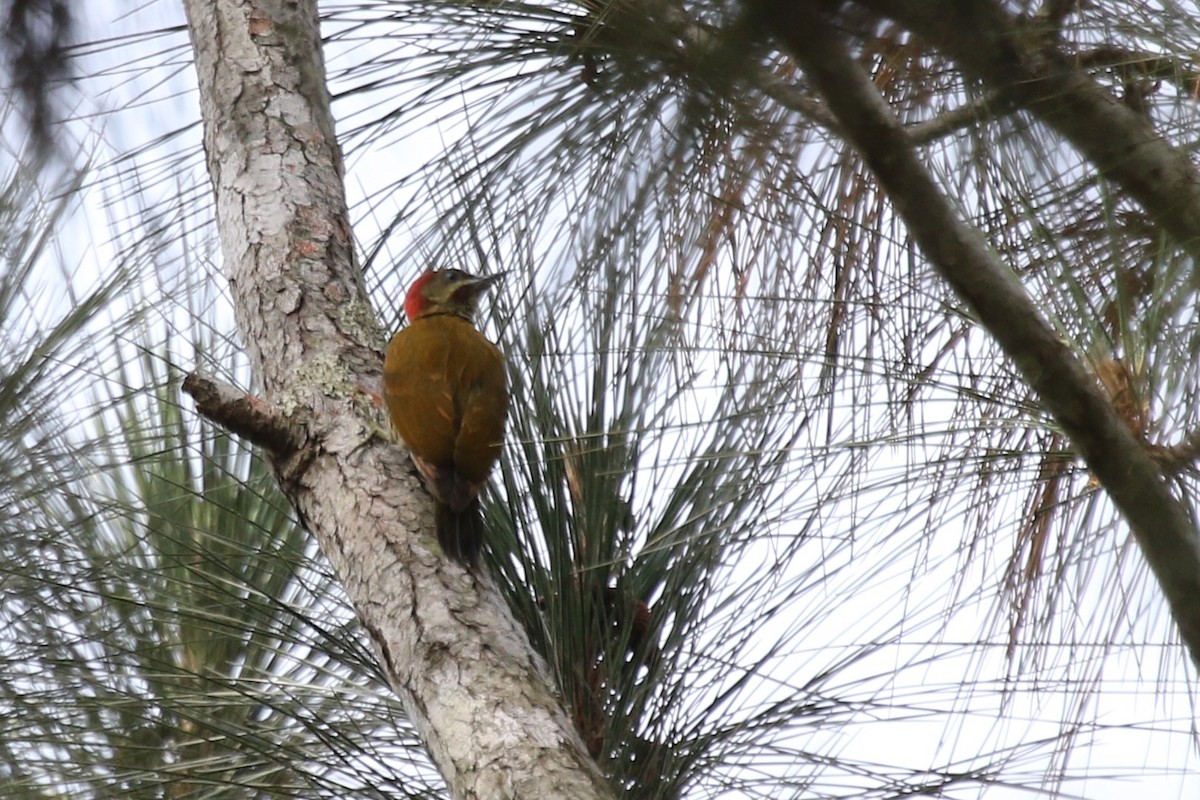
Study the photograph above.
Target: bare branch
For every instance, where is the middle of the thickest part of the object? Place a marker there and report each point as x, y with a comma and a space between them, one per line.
1055, 12
1180, 457
244, 414
987, 107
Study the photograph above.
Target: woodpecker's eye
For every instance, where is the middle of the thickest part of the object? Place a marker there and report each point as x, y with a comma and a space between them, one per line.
454, 274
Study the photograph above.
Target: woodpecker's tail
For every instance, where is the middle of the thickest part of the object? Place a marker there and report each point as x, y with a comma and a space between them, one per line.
460, 535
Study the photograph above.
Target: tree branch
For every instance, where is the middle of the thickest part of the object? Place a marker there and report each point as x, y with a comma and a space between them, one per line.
1160, 523
971, 113
473, 688
244, 414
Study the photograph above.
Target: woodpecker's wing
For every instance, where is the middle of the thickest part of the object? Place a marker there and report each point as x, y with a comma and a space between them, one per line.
483, 405
418, 391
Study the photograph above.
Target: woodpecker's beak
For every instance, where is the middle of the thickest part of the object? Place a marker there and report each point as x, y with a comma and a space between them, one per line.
477, 284
467, 288
484, 281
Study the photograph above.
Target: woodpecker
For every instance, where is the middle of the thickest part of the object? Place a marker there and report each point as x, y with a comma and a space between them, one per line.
447, 395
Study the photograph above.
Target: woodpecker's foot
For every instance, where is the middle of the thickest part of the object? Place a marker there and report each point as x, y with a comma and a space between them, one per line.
383, 433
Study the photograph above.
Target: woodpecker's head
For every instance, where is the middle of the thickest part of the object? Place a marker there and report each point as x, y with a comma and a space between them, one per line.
446, 291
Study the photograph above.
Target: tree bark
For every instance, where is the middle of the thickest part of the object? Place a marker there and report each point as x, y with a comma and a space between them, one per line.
1160, 522
464, 670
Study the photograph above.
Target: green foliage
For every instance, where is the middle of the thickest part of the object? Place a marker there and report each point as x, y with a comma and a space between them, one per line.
620, 570
169, 630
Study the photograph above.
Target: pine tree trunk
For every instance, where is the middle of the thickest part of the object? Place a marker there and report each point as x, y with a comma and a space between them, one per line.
470, 682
